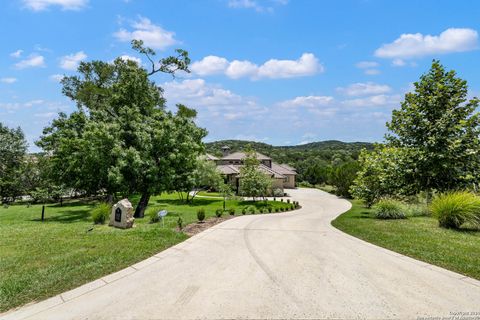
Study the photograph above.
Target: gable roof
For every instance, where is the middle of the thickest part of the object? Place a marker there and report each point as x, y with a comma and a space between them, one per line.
208, 156
282, 169
227, 169
242, 155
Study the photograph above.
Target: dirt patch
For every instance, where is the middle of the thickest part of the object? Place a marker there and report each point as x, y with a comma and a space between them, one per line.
197, 227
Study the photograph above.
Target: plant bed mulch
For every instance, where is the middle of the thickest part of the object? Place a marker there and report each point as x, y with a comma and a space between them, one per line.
197, 227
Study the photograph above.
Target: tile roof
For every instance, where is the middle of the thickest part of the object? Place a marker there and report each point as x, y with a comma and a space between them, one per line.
242, 155
282, 169
228, 169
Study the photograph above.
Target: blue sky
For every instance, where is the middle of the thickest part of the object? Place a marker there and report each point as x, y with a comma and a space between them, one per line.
278, 71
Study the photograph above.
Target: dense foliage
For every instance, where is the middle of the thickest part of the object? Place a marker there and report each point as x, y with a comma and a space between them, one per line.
122, 138
441, 128
12, 159
253, 182
433, 142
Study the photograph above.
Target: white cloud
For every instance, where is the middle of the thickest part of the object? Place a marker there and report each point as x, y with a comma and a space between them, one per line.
152, 35
126, 57
71, 61
39, 5
306, 65
211, 101
371, 72
33, 61
367, 88
307, 101
366, 64
416, 45
209, 65
245, 4
398, 62
8, 80
373, 101
239, 69
16, 54
264, 6
56, 77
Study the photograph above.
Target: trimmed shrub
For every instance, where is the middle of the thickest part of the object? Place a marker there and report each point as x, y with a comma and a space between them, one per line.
251, 209
201, 214
292, 207
276, 209
288, 200
101, 213
277, 192
218, 212
269, 209
261, 210
231, 211
453, 209
389, 209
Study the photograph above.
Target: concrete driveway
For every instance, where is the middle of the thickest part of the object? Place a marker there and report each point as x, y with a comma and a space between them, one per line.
278, 266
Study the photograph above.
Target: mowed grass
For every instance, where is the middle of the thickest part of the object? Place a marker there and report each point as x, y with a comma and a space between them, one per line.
417, 237
41, 259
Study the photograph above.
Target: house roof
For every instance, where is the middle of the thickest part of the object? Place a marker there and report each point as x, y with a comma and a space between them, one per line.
242, 155
283, 169
228, 169
271, 171
208, 156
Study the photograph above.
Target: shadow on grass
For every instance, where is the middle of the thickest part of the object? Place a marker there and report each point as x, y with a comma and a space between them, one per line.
65, 216
194, 203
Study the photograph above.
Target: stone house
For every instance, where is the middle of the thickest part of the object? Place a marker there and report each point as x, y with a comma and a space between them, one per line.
283, 176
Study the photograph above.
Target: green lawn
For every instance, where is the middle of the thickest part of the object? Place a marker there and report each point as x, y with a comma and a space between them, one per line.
418, 237
41, 259
209, 194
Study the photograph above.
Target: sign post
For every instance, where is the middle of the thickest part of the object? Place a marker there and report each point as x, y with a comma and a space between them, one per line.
161, 214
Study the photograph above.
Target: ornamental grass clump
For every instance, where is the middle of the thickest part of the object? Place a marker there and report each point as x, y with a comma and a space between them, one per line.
389, 209
218, 212
101, 213
231, 211
453, 209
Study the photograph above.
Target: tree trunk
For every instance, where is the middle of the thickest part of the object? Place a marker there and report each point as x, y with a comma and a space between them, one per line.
142, 205
109, 199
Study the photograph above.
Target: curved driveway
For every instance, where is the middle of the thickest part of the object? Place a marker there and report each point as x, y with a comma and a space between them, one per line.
278, 266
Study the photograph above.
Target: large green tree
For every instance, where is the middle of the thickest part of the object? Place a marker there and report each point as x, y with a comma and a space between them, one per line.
13, 149
440, 128
122, 138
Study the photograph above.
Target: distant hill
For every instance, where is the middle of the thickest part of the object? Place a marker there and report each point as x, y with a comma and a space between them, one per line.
331, 152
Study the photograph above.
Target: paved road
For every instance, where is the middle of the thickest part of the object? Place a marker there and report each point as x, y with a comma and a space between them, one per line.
282, 266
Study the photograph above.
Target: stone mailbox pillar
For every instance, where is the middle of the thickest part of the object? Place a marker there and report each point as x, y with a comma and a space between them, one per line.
122, 215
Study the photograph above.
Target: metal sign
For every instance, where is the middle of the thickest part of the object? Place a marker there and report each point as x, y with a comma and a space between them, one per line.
162, 213
118, 215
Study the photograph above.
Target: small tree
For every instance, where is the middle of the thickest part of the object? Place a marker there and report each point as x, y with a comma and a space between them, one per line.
204, 176
383, 172
253, 182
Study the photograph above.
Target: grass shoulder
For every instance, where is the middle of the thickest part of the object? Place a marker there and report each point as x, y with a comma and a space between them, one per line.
41, 259
417, 237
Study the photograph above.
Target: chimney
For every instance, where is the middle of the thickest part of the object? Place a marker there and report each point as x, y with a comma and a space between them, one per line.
225, 150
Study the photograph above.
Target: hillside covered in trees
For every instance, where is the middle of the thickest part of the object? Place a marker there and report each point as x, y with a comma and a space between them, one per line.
315, 162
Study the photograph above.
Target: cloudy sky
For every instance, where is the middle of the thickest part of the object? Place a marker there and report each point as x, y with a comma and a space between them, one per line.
278, 71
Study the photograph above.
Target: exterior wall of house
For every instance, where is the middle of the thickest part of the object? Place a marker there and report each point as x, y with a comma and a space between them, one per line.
289, 181
277, 184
